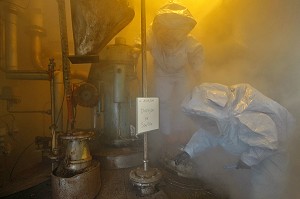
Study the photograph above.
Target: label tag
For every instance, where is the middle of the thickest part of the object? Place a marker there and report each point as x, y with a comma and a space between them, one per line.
147, 114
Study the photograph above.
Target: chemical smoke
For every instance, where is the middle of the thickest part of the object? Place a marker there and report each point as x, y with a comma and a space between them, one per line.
253, 42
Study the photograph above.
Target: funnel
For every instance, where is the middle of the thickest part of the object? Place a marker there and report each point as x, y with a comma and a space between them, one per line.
96, 22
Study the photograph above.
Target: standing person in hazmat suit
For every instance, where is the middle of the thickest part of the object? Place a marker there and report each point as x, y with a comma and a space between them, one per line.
249, 125
176, 57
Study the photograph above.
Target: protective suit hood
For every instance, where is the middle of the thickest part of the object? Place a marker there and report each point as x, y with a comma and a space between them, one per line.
174, 15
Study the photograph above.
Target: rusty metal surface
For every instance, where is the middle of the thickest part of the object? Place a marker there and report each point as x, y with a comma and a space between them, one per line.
86, 95
81, 186
96, 22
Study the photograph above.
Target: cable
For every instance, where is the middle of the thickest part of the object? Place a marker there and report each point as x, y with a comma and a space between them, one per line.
18, 158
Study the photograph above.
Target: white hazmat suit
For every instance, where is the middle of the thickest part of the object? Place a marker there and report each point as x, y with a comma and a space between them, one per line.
175, 53
250, 125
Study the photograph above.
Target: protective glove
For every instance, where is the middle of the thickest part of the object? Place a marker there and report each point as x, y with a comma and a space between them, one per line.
181, 158
241, 165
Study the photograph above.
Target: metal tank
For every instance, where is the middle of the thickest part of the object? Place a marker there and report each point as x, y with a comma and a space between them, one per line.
95, 23
116, 79
117, 83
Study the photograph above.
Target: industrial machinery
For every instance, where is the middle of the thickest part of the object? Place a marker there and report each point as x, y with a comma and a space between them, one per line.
116, 80
77, 176
109, 92
93, 29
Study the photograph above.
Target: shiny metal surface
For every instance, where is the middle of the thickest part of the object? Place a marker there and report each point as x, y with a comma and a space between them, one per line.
77, 154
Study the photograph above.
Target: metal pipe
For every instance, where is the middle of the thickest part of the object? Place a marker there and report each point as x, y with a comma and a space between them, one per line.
58, 100
11, 47
144, 48
36, 47
119, 83
144, 71
27, 111
99, 108
51, 67
2, 39
65, 61
11, 33
40, 75
27, 75
95, 117
36, 31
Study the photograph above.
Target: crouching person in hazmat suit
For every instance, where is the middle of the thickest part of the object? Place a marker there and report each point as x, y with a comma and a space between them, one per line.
177, 56
250, 125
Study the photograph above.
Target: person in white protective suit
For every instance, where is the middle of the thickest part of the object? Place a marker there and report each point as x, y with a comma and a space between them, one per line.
250, 126
176, 56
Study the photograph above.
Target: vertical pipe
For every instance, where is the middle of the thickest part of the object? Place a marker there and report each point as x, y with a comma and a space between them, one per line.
94, 124
36, 47
11, 34
119, 83
52, 92
53, 125
58, 100
2, 38
144, 71
99, 108
144, 48
65, 61
36, 32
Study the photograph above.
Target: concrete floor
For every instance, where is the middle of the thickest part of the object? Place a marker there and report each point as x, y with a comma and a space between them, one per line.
115, 184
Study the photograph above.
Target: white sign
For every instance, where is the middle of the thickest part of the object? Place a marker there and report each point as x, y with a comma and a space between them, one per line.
147, 114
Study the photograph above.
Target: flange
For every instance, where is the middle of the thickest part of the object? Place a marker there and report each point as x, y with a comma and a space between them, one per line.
145, 180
